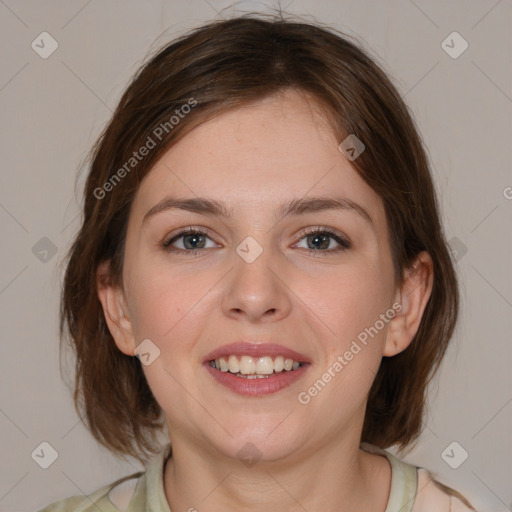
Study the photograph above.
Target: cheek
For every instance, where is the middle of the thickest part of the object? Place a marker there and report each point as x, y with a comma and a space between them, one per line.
346, 299
160, 300
172, 309
351, 298
171, 314
362, 325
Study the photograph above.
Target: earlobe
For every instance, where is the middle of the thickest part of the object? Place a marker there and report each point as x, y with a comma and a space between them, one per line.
115, 311
413, 295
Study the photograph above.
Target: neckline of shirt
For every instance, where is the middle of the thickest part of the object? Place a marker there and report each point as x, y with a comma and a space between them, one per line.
404, 481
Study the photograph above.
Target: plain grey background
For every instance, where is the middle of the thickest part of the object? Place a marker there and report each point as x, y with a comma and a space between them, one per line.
53, 109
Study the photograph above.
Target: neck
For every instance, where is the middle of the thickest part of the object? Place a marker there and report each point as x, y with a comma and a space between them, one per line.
340, 477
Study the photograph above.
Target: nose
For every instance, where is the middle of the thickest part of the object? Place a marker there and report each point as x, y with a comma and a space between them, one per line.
256, 290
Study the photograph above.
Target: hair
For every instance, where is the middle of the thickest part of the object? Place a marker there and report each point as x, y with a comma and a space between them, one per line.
220, 66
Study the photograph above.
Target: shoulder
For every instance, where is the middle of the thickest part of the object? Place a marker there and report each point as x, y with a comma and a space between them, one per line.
135, 493
433, 495
414, 489
113, 497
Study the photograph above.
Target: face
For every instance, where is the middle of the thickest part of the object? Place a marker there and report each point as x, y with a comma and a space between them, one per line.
259, 275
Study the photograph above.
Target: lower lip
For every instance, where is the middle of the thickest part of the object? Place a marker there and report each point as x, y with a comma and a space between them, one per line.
257, 387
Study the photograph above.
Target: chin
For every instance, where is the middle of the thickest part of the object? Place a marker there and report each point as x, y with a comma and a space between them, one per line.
262, 443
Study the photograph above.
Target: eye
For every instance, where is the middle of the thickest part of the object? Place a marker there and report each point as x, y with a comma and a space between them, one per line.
319, 240
193, 240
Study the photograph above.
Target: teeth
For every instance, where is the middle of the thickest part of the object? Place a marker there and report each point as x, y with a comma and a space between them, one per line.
264, 366
233, 364
279, 364
253, 376
222, 364
254, 367
247, 365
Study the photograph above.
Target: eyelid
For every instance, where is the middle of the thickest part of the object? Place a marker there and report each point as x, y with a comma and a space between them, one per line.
189, 230
325, 229
343, 241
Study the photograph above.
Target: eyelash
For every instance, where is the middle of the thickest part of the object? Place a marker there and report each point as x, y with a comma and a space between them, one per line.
322, 230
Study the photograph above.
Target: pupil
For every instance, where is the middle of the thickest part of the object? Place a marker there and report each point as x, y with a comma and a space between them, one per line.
193, 237
320, 238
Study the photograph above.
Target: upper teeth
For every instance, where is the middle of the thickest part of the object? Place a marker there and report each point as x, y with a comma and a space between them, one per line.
248, 365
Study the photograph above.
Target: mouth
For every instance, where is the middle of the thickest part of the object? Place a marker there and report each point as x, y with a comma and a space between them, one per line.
256, 369
247, 367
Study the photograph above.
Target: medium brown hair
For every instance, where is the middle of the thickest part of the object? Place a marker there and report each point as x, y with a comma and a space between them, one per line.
221, 66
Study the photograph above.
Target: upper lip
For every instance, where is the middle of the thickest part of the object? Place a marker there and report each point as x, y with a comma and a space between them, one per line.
244, 348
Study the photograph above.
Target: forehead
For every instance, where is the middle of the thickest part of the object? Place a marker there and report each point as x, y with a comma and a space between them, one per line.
256, 157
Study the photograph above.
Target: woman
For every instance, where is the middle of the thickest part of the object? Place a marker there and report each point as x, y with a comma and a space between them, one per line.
261, 270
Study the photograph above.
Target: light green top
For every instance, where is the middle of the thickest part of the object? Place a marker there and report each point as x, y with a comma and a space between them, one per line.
144, 491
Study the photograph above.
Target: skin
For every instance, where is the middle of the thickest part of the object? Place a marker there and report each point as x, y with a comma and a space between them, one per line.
254, 159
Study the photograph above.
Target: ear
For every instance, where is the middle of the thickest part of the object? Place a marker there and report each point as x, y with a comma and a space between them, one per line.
413, 295
115, 310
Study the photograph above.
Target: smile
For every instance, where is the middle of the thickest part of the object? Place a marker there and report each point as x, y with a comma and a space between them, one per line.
255, 367
252, 383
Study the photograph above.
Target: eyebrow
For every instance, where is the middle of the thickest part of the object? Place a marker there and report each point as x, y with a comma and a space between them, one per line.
207, 206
